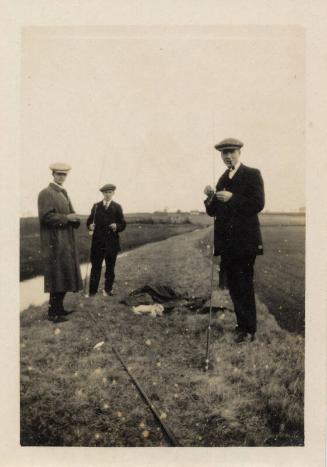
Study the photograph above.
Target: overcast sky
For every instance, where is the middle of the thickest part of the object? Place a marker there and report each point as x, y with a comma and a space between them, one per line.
143, 107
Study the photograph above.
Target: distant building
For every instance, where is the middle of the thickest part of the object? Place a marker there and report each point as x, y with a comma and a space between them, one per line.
195, 213
177, 219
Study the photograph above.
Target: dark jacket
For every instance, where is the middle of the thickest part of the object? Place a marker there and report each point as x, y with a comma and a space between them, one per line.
237, 228
58, 245
103, 237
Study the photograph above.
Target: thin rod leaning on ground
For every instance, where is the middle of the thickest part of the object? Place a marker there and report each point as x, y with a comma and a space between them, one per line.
106, 337
212, 256
89, 259
210, 315
169, 434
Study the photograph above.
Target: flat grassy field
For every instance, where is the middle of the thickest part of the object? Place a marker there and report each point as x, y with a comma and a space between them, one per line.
138, 232
73, 394
142, 228
280, 274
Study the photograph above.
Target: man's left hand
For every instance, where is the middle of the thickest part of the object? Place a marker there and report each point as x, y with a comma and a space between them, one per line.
224, 196
113, 227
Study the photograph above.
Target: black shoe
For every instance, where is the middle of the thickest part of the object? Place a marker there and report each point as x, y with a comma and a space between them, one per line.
66, 312
57, 318
240, 337
252, 336
107, 293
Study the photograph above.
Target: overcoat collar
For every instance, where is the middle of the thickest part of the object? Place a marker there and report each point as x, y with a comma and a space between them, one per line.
56, 187
63, 192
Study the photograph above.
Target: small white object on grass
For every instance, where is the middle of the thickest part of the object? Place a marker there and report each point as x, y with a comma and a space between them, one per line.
156, 309
98, 345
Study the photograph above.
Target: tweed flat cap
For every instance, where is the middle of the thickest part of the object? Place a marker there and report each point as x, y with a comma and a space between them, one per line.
108, 187
229, 143
60, 167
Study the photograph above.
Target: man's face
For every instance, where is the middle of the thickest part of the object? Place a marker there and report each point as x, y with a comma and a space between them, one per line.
230, 157
59, 177
108, 195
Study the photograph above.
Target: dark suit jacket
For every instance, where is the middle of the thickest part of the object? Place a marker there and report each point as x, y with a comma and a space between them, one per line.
103, 237
237, 228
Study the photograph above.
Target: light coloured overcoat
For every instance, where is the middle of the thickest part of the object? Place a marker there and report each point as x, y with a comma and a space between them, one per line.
58, 245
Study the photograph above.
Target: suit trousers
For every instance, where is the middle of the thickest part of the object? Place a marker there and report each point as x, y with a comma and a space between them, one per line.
239, 274
98, 256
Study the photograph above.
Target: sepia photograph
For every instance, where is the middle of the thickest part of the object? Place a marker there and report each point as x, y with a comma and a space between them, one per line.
163, 265
162, 239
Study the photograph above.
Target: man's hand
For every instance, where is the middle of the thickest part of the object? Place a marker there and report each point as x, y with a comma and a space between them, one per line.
92, 227
208, 190
224, 196
113, 227
73, 217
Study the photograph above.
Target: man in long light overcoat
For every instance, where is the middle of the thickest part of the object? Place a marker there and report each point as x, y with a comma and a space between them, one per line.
58, 246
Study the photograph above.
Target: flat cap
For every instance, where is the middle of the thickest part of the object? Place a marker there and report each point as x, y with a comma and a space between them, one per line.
229, 143
108, 187
60, 167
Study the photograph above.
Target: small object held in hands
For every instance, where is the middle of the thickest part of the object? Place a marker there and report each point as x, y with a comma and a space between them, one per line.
208, 190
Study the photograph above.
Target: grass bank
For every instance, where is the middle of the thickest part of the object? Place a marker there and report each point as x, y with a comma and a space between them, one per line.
75, 395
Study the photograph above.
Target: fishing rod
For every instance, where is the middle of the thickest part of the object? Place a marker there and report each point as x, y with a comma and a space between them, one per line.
210, 314
91, 231
89, 261
206, 366
165, 428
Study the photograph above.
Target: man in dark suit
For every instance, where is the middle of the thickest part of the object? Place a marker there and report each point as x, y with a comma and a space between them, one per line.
235, 205
105, 222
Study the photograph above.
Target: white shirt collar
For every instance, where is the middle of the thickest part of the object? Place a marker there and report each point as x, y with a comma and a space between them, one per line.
233, 172
106, 203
